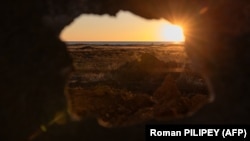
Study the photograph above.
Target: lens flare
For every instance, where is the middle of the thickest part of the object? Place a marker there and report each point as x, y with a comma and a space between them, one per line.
172, 33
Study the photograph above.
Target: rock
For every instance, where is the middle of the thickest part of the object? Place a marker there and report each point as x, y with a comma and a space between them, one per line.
35, 64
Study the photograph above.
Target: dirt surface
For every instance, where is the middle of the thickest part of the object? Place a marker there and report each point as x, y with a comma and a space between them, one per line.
126, 85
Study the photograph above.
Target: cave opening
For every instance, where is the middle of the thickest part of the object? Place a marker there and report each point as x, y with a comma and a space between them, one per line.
130, 70
35, 65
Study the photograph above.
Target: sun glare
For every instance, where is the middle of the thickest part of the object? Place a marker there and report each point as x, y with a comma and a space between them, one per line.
125, 27
172, 33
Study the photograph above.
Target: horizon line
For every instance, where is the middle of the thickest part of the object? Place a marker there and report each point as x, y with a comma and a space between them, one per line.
126, 41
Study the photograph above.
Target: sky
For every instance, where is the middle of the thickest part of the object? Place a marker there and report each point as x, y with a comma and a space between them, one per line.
124, 27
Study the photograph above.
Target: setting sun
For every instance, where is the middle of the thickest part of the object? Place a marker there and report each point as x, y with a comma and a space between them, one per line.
172, 33
124, 27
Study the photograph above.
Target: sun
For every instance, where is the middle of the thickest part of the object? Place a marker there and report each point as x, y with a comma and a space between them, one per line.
172, 33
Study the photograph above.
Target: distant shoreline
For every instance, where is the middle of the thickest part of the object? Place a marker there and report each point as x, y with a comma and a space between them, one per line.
123, 43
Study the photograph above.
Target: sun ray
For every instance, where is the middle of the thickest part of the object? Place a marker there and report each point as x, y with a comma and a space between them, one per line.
172, 33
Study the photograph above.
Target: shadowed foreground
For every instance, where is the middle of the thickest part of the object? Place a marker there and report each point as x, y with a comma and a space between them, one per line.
35, 64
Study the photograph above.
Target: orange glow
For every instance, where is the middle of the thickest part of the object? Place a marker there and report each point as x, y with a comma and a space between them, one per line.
124, 27
172, 33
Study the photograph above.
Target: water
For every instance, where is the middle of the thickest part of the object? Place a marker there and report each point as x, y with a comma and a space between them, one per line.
123, 43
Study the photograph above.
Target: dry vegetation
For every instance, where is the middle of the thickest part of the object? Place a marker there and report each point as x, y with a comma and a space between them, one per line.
125, 85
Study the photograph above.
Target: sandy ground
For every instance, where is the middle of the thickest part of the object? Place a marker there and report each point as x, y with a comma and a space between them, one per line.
126, 85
